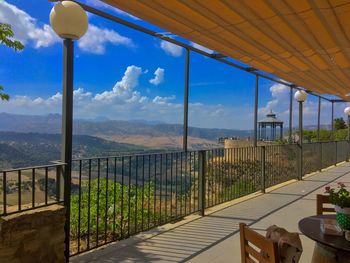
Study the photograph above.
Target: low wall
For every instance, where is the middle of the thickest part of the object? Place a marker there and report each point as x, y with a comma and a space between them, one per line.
244, 143
33, 236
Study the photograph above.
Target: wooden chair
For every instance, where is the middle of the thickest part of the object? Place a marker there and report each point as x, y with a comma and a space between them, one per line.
320, 201
256, 248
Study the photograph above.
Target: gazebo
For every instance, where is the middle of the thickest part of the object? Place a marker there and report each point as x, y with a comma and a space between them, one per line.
272, 123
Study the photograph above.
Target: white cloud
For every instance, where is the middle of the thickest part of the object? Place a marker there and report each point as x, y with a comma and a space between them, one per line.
280, 95
195, 45
26, 28
171, 49
125, 102
163, 100
123, 90
279, 103
95, 40
158, 77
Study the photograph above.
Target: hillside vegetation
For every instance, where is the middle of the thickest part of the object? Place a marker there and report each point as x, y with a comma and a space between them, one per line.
26, 149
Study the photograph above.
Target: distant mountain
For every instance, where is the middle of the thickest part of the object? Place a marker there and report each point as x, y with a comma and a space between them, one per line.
25, 149
52, 124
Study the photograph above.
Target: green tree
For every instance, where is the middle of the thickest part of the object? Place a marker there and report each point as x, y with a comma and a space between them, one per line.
6, 38
339, 124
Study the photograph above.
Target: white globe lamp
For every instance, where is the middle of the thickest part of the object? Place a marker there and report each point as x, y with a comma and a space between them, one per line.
69, 20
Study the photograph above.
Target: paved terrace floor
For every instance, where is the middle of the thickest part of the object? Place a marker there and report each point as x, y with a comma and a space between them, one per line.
215, 237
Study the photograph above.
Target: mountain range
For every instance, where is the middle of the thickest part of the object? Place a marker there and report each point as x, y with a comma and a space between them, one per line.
150, 134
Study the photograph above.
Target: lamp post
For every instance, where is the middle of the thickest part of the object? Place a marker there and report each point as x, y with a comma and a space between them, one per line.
347, 112
300, 96
70, 22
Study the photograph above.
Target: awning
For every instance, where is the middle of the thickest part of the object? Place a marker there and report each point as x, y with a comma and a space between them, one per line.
303, 42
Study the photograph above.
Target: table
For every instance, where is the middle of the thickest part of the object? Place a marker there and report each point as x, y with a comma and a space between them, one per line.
328, 248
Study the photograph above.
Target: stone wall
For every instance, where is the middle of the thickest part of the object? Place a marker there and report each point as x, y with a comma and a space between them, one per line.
33, 236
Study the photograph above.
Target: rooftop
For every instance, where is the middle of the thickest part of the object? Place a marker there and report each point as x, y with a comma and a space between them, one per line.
271, 118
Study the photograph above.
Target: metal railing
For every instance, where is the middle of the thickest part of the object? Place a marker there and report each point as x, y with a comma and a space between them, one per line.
113, 198
29, 188
116, 197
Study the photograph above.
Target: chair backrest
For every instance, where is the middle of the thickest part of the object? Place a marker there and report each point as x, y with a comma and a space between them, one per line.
320, 201
256, 248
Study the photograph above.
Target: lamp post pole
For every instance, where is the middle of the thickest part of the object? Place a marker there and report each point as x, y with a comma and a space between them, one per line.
69, 21
301, 138
300, 96
67, 130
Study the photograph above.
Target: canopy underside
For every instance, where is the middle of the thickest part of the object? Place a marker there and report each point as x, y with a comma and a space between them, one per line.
303, 42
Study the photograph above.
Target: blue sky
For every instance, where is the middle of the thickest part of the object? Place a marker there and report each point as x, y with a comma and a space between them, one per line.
124, 74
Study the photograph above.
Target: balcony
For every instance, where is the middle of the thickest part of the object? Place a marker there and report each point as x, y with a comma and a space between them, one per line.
215, 237
186, 205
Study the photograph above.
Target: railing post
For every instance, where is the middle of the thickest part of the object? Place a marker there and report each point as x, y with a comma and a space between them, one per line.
201, 181
263, 170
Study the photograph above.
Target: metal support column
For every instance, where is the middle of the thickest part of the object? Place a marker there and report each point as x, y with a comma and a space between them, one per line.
300, 141
67, 131
201, 181
290, 114
281, 132
319, 119
185, 125
256, 110
332, 124
347, 159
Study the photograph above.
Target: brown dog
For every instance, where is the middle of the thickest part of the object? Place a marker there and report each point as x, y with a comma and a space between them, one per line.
289, 244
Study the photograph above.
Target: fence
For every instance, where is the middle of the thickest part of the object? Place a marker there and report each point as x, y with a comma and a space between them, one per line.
113, 198
29, 188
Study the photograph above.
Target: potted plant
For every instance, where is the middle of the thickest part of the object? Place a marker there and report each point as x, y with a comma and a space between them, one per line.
340, 197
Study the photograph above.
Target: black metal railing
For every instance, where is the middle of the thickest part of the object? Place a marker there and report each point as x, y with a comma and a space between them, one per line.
116, 197
113, 198
29, 188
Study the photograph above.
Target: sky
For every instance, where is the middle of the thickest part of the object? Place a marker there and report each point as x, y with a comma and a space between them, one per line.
123, 74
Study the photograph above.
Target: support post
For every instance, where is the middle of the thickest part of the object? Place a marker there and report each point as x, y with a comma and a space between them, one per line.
300, 141
67, 132
263, 170
201, 181
186, 94
347, 159
319, 119
290, 114
281, 132
332, 124
256, 110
